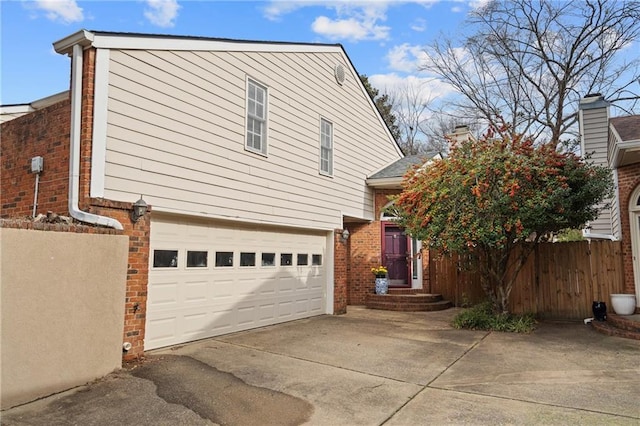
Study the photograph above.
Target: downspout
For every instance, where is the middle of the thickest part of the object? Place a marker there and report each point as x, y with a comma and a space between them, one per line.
74, 155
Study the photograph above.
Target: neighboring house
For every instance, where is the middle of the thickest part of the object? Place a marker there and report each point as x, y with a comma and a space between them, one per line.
615, 142
253, 157
9, 112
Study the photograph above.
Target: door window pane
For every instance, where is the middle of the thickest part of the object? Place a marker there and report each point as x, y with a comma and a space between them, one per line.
165, 258
268, 259
247, 259
224, 258
286, 259
196, 259
316, 259
303, 259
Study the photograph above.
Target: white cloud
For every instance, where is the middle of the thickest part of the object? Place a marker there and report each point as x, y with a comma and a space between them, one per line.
427, 89
456, 9
162, 13
419, 25
66, 11
349, 29
406, 58
275, 9
478, 4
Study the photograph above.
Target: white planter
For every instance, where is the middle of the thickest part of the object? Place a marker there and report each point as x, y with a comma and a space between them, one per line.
382, 285
623, 304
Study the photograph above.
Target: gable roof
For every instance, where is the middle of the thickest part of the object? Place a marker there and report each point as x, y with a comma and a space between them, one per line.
624, 141
140, 41
628, 128
391, 176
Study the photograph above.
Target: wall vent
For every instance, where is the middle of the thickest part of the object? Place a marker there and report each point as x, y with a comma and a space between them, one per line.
340, 74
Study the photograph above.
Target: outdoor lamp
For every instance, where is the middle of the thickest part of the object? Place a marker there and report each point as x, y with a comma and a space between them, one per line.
139, 209
345, 235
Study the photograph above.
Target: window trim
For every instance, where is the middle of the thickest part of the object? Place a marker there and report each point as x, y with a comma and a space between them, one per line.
265, 120
328, 173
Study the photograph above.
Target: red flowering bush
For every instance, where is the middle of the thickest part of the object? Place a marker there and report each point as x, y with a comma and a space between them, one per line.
489, 196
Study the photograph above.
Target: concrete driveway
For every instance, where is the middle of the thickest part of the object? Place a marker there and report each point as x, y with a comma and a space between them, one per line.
366, 367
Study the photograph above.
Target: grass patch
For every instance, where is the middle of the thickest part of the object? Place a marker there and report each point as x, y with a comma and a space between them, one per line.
482, 317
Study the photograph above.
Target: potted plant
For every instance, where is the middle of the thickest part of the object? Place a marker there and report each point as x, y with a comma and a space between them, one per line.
382, 284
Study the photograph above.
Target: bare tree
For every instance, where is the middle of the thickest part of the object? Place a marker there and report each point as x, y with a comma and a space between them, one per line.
443, 123
528, 63
411, 108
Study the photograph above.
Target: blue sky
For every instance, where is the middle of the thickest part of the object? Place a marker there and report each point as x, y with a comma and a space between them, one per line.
382, 38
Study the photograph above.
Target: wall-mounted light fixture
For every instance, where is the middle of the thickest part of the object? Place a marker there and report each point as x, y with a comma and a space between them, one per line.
345, 235
139, 209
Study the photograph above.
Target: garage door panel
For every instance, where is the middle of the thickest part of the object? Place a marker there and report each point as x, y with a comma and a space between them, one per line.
165, 295
222, 290
189, 303
194, 324
195, 292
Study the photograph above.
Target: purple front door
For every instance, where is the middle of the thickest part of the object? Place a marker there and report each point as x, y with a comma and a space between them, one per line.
395, 252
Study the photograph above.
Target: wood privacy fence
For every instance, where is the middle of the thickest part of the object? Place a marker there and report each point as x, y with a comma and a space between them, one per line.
559, 280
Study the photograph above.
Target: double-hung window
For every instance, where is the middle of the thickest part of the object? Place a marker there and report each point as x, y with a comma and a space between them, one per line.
256, 117
326, 147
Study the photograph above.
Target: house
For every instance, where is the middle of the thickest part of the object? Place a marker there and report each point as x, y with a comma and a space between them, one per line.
263, 167
615, 142
9, 112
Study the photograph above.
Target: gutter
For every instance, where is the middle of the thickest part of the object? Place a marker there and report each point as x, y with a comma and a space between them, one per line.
74, 154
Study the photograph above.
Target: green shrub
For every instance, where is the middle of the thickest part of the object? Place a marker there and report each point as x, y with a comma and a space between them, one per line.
482, 317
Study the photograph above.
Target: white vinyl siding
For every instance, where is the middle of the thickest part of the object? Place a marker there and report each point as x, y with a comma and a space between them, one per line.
594, 128
176, 133
326, 147
256, 117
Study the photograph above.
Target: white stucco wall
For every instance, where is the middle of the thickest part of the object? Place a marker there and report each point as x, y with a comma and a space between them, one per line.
62, 310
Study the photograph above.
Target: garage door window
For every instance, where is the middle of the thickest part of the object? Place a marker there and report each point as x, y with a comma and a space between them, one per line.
316, 260
303, 259
165, 258
224, 258
286, 259
268, 259
247, 259
196, 259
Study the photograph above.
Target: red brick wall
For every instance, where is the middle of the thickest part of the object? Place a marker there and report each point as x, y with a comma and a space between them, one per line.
42, 133
341, 255
365, 252
139, 232
628, 181
137, 270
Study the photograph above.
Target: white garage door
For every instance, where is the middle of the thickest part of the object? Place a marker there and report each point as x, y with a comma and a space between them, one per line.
209, 279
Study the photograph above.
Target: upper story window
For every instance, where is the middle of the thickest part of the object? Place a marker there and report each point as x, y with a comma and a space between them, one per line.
326, 147
256, 117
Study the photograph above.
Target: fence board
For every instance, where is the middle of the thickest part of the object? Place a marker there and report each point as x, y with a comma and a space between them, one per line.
558, 281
